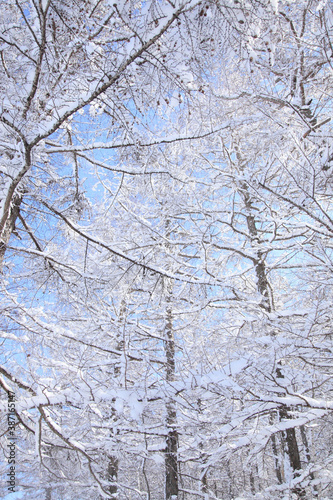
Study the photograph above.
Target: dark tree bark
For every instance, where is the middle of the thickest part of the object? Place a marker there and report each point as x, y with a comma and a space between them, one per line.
171, 458
112, 476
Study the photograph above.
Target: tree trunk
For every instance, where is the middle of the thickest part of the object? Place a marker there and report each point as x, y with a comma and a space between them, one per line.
263, 286
315, 492
277, 460
9, 227
112, 470
171, 459
112, 476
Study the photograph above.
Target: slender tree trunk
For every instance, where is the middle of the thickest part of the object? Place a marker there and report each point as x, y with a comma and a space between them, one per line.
291, 446
112, 476
9, 227
203, 476
289, 436
171, 461
112, 470
305, 442
277, 459
252, 483
171, 458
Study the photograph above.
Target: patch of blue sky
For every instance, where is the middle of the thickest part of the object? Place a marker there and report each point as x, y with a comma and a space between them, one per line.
16, 495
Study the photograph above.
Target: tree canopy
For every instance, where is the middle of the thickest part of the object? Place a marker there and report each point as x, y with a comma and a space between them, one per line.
166, 258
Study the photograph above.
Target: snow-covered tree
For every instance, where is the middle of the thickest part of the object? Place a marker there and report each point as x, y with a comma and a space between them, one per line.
165, 247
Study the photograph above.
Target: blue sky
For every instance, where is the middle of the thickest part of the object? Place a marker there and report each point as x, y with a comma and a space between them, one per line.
14, 496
